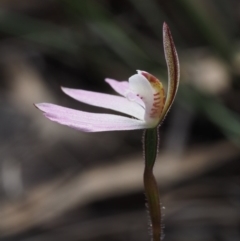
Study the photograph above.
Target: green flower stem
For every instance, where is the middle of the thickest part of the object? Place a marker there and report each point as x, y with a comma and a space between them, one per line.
153, 200
150, 145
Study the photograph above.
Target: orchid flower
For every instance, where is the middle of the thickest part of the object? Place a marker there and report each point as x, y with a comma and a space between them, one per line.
142, 99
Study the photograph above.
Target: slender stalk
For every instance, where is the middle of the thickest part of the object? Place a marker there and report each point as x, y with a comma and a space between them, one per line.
150, 147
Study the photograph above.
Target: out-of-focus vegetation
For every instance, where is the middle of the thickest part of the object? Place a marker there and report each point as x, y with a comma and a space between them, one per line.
59, 184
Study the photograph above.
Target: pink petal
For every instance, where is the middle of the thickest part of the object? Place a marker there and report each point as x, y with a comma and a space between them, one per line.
121, 87
112, 102
89, 122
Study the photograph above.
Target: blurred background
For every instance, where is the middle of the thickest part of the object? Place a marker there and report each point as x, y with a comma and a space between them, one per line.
60, 184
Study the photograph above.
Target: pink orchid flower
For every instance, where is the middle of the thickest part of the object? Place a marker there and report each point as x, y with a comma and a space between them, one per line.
142, 99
